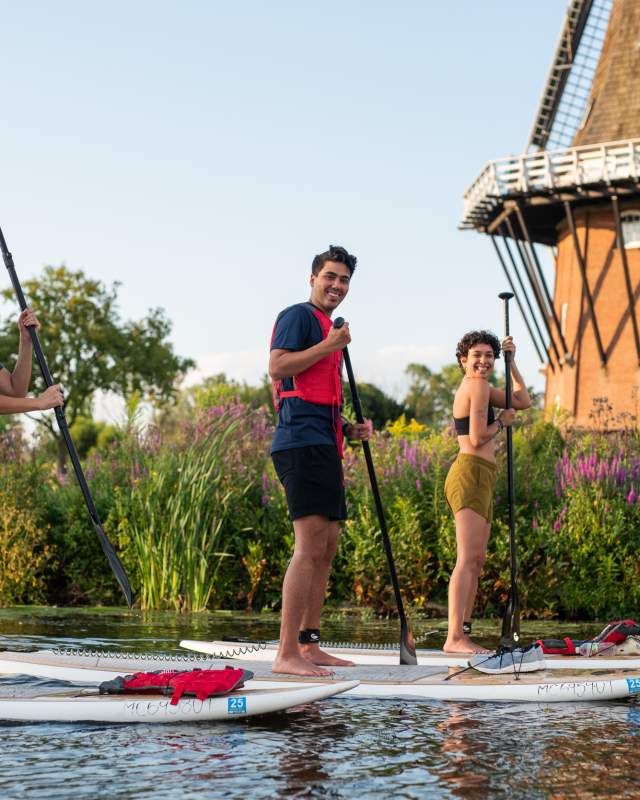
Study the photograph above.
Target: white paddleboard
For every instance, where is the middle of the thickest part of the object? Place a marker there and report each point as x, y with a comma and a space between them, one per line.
391, 682
266, 651
88, 706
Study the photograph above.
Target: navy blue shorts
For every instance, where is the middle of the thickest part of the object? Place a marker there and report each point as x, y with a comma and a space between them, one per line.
313, 481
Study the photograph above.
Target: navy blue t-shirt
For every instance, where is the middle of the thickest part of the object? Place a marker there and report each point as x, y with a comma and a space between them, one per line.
300, 424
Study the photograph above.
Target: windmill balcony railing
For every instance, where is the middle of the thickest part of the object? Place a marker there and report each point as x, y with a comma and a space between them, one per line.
550, 170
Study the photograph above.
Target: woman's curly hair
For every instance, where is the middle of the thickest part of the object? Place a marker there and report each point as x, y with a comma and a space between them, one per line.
477, 337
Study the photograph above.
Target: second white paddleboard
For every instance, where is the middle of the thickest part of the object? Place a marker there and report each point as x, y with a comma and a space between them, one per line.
266, 651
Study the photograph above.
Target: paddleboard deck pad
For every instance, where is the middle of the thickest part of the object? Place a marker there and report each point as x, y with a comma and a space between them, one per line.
381, 681
266, 651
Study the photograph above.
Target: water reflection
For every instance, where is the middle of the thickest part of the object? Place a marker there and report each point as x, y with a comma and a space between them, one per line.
463, 750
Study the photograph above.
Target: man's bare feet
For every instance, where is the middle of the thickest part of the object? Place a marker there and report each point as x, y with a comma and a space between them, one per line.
463, 645
315, 655
298, 665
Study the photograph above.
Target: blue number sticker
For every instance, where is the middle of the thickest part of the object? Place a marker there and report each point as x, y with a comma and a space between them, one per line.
238, 705
634, 685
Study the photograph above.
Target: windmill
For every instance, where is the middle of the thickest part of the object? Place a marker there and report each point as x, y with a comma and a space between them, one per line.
576, 191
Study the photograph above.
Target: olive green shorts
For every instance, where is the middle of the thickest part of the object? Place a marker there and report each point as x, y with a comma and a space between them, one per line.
470, 484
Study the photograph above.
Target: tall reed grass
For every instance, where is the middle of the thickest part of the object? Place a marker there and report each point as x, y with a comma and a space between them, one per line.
173, 518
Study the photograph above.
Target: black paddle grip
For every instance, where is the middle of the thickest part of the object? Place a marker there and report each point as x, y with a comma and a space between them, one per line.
506, 296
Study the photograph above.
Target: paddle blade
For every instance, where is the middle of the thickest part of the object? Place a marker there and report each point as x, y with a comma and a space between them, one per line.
114, 561
511, 620
407, 647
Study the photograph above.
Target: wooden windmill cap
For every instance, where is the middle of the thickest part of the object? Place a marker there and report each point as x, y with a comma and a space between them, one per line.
613, 108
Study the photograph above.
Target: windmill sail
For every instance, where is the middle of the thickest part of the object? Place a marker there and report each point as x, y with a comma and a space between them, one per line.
613, 106
565, 97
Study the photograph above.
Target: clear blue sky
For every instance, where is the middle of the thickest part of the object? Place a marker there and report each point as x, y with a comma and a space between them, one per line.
201, 152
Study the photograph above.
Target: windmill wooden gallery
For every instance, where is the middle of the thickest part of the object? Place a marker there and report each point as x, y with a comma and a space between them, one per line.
576, 190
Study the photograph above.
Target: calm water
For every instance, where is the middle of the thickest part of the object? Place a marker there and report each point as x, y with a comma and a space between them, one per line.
333, 749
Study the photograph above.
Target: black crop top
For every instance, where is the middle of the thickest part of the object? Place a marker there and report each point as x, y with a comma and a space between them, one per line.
462, 423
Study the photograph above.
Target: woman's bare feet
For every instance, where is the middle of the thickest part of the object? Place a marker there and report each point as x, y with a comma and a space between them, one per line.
462, 645
315, 655
298, 665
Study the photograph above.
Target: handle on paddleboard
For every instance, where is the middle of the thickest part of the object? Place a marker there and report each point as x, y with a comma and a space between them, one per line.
407, 641
511, 619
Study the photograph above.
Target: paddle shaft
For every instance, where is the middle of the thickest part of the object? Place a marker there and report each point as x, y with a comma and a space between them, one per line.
407, 645
63, 425
511, 620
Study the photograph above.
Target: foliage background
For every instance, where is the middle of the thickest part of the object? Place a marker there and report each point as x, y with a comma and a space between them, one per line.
200, 521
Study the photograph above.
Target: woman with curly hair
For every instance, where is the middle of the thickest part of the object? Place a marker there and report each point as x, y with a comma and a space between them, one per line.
470, 482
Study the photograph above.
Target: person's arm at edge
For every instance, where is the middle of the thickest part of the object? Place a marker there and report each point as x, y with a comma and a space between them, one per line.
16, 383
10, 404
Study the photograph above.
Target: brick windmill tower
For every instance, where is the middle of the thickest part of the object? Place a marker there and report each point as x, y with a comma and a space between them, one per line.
577, 191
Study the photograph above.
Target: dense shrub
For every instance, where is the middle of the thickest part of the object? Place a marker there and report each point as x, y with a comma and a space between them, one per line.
24, 555
200, 520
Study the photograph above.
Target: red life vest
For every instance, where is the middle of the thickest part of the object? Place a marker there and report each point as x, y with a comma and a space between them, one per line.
202, 683
320, 383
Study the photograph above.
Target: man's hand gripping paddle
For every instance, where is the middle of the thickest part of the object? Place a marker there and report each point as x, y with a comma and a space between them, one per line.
511, 620
110, 553
407, 642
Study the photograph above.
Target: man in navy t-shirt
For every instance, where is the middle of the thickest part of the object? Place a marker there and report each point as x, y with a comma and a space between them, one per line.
301, 424
15, 385
305, 365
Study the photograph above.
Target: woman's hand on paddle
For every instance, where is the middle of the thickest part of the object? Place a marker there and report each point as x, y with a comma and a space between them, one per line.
26, 320
51, 398
360, 431
337, 338
508, 346
508, 417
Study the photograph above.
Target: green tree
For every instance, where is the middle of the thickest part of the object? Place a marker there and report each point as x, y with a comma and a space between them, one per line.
89, 347
430, 395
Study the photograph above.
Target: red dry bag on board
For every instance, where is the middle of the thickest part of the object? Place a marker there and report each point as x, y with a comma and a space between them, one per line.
613, 634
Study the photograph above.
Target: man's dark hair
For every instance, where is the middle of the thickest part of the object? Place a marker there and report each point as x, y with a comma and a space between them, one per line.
477, 337
334, 253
